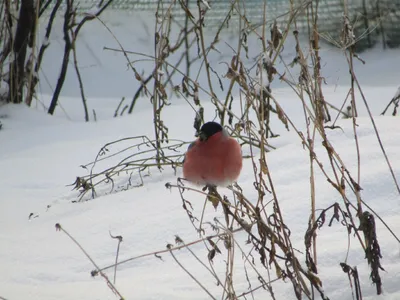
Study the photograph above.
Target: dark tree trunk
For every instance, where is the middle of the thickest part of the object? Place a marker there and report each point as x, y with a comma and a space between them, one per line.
69, 19
22, 37
43, 47
67, 51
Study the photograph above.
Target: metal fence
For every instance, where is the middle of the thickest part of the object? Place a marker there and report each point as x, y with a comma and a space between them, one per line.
373, 21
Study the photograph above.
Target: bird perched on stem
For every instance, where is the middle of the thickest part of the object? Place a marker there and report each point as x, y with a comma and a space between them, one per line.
214, 159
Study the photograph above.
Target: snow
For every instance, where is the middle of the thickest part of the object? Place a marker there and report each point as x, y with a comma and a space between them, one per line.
40, 155
206, 4
46, 42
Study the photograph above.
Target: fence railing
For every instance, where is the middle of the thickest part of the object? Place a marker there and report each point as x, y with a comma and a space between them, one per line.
379, 18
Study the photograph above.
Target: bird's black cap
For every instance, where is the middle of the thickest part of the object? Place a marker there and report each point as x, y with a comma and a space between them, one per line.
209, 129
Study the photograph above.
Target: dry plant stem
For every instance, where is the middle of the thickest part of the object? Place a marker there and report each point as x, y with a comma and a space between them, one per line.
109, 283
211, 269
395, 102
107, 174
263, 170
89, 182
158, 60
310, 140
202, 216
230, 270
371, 209
118, 107
268, 283
187, 48
264, 45
119, 238
122, 49
312, 188
229, 262
213, 43
349, 56
180, 72
293, 13
188, 101
263, 131
102, 151
116, 261
314, 43
332, 154
180, 60
191, 276
207, 65
376, 131
255, 289
138, 92
239, 47
354, 119
210, 196
296, 265
340, 111
78, 74
382, 221
253, 142
322, 106
157, 253
145, 142
129, 166
282, 245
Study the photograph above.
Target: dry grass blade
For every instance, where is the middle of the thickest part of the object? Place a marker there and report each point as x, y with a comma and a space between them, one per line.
110, 285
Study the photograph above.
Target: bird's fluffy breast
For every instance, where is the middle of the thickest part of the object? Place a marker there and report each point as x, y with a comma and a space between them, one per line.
217, 160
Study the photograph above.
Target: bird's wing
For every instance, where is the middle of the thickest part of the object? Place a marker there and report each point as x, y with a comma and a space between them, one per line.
190, 146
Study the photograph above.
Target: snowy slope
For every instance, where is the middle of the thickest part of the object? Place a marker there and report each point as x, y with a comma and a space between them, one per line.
42, 154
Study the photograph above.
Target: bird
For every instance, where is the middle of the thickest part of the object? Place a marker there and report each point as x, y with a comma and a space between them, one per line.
214, 158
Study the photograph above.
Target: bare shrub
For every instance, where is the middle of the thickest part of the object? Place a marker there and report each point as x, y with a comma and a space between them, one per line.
21, 57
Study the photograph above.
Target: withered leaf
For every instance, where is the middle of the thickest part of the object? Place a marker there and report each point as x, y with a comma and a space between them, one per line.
211, 254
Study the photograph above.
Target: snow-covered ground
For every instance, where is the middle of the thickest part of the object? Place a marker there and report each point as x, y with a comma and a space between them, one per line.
40, 155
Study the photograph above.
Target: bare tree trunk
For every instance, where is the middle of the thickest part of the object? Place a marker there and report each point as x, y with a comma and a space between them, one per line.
43, 48
67, 50
23, 37
69, 23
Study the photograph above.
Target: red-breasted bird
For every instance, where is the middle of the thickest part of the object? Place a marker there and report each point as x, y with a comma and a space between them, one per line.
214, 159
